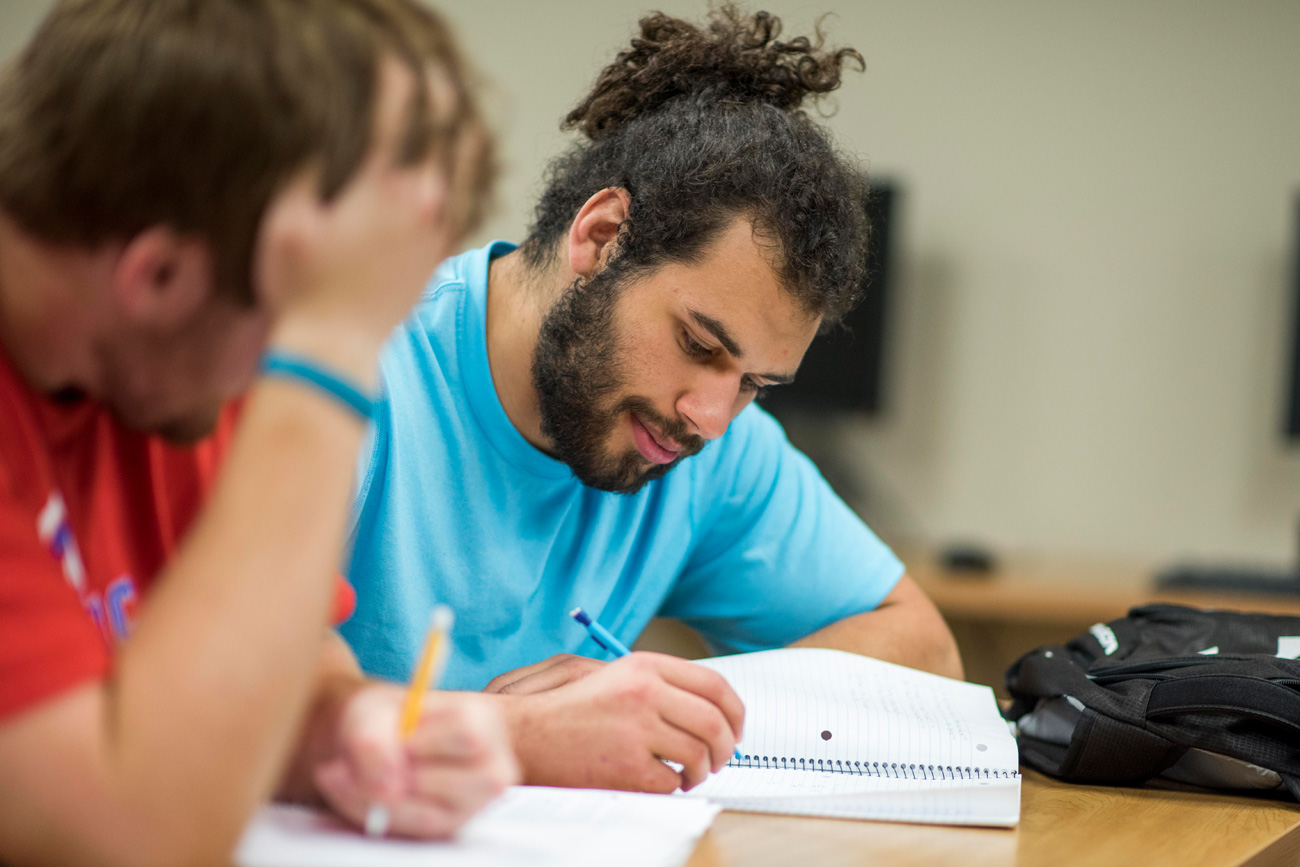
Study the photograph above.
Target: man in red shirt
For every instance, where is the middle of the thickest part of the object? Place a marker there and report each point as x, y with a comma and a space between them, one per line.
183, 185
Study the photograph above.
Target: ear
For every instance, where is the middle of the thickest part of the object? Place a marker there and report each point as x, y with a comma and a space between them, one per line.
162, 279
595, 230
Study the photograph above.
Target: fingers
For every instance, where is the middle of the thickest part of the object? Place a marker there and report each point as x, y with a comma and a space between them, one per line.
458, 759
696, 716
359, 260
338, 785
376, 761
461, 759
464, 789
445, 797
552, 673
428, 818
459, 727
687, 750
701, 720
501, 680
447, 734
706, 684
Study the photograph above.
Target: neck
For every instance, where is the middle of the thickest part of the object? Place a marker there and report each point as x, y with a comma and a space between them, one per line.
47, 309
517, 301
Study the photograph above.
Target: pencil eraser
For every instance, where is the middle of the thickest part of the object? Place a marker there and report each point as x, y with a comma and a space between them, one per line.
443, 617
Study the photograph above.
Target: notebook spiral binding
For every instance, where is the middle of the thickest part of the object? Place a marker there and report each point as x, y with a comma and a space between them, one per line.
893, 770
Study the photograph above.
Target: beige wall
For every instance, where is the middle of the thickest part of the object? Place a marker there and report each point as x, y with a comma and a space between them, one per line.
1093, 252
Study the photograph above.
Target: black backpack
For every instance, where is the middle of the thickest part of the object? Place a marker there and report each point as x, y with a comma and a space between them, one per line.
1210, 698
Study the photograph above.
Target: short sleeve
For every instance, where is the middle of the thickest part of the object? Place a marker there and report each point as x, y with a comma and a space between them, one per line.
778, 555
50, 643
345, 601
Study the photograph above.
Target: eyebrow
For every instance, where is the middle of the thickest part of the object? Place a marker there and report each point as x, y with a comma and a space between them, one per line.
723, 336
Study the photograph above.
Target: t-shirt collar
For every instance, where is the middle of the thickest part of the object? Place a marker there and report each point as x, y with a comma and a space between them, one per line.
480, 390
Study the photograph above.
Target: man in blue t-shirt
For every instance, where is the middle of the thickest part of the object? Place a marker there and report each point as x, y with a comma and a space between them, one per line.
569, 423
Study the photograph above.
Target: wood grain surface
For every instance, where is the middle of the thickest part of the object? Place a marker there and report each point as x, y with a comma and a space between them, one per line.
1061, 825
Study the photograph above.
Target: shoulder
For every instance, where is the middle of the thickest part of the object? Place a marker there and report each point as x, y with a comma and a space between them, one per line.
445, 292
427, 339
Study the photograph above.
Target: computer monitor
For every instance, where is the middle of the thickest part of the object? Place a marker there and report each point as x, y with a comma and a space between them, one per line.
1253, 580
844, 369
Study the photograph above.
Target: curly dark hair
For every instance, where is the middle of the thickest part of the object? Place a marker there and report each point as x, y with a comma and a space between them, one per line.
704, 124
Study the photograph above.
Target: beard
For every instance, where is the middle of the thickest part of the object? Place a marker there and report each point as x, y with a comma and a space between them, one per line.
578, 377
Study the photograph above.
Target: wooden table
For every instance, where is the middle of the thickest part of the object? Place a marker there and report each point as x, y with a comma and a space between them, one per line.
1033, 600
1061, 825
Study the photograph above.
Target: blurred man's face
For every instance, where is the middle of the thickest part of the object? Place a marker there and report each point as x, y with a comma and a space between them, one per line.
174, 384
634, 378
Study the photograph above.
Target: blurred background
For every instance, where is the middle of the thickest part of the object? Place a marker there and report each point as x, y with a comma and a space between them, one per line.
1085, 345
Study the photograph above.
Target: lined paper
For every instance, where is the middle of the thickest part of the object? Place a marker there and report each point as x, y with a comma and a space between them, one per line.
884, 722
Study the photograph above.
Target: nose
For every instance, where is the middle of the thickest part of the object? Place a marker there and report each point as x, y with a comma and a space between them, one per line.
710, 404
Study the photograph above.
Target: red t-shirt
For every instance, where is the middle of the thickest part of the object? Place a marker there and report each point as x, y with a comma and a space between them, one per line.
89, 514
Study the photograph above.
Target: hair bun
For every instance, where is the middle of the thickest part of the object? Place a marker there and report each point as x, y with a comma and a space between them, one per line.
734, 57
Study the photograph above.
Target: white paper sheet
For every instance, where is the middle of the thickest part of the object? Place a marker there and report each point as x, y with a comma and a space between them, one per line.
529, 825
991, 802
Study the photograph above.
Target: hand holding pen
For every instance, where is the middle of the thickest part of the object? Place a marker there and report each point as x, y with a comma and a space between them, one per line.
606, 639
584, 722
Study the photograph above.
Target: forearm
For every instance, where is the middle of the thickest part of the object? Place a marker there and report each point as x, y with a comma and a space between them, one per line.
905, 628
208, 694
162, 763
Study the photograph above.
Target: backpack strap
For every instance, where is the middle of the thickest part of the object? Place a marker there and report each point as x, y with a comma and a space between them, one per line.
1257, 698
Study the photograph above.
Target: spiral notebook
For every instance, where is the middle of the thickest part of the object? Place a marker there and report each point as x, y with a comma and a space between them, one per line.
829, 733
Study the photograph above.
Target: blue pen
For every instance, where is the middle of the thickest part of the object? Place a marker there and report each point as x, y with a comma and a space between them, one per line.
600, 634
606, 639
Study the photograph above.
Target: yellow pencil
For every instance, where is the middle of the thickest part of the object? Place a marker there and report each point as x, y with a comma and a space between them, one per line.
427, 674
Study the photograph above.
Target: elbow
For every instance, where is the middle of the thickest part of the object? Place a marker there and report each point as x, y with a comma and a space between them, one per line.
946, 657
143, 845
942, 655
196, 854
192, 841
170, 839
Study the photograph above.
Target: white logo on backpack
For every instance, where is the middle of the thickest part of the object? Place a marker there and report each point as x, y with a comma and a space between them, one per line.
1105, 637
1288, 647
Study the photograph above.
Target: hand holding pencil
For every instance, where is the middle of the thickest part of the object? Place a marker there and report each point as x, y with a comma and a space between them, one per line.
428, 760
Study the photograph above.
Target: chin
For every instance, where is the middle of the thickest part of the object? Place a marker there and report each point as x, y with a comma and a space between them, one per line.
179, 430
189, 431
626, 474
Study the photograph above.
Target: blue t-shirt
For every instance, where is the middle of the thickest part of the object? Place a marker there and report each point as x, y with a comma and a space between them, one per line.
744, 541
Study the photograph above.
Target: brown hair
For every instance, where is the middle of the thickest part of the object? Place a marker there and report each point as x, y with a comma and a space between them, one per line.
125, 114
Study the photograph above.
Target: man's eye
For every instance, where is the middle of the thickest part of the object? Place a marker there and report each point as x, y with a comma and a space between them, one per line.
694, 348
749, 386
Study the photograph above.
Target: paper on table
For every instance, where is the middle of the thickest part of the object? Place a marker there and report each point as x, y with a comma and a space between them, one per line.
814, 793
829, 733
529, 825
871, 709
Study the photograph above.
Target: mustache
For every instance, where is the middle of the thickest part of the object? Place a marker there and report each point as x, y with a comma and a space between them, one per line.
675, 429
